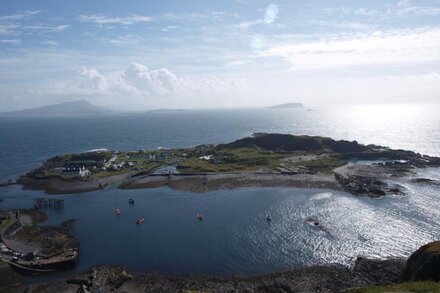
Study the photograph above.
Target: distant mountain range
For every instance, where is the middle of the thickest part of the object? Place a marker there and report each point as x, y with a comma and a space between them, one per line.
75, 108
287, 106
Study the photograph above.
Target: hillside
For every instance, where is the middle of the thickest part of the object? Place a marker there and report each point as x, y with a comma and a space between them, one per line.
75, 108
290, 143
287, 106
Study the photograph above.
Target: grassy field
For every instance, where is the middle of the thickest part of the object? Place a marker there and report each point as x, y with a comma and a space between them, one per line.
251, 159
403, 287
323, 165
242, 159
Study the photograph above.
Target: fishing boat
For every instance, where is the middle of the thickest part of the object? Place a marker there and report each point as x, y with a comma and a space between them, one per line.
118, 212
131, 201
140, 221
200, 216
46, 264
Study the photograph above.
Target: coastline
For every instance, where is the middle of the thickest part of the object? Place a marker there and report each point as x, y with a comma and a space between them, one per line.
313, 278
60, 186
200, 183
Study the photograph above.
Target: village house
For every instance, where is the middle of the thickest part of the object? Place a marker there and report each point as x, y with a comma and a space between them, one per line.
75, 171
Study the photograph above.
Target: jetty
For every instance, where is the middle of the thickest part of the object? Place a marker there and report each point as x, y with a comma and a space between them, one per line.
48, 203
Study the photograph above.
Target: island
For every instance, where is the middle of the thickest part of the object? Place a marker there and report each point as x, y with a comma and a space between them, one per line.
73, 108
261, 160
287, 106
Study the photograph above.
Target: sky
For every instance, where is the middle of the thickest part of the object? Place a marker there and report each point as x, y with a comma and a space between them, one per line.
136, 55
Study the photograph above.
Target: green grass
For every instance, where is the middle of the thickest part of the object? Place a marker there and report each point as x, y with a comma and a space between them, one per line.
240, 159
103, 174
324, 165
403, 287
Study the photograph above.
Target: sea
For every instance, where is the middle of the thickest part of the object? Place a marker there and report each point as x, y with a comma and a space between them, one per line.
234, 238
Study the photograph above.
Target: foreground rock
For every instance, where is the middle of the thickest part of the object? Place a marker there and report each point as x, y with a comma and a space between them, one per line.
424, 264
326, 278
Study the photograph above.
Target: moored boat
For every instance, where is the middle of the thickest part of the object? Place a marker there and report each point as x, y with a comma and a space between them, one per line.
46, 264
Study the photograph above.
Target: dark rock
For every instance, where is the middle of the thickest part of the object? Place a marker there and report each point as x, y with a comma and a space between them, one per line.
376, 271
425, 181
289, 143
424, 264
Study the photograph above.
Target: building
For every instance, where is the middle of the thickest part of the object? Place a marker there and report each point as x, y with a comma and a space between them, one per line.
75, 171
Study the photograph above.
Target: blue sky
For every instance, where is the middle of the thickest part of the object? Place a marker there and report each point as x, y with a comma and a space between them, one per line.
136, 55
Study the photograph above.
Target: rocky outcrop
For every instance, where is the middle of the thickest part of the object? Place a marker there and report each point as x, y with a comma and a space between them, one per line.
318, 278
375, 271
424, 264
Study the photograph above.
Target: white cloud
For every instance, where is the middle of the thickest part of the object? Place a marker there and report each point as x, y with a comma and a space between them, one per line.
10, 41
139, 80
271, 13
245, 25
61, 28
269, 17
50, 43
401, 8
19, 16
169, 28
105, 20
378, 48
93, 80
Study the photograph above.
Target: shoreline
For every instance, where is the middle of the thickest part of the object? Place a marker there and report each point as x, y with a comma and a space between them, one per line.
323, 278
200, 183
197, 183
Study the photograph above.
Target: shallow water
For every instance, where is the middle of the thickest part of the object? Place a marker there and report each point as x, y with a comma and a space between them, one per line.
234, 236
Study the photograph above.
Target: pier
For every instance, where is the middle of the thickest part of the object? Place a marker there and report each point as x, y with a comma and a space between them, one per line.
49, 202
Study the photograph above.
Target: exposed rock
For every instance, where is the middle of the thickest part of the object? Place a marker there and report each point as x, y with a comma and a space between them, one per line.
377, 271
426, 181
424, 264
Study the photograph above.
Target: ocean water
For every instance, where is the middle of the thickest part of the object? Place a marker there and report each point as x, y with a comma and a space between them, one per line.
234, 238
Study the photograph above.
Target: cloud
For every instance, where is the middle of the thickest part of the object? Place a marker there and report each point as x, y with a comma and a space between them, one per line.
19, 16
271, 13
269, 17
378, 48
401, 8
105, 20
139, 80
8, 29
50, 43
18, 24
170, 28
10, 41
61, 28
93, 80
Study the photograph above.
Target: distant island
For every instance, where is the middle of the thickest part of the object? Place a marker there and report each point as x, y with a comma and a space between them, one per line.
287, 106
262, 160
75, 108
